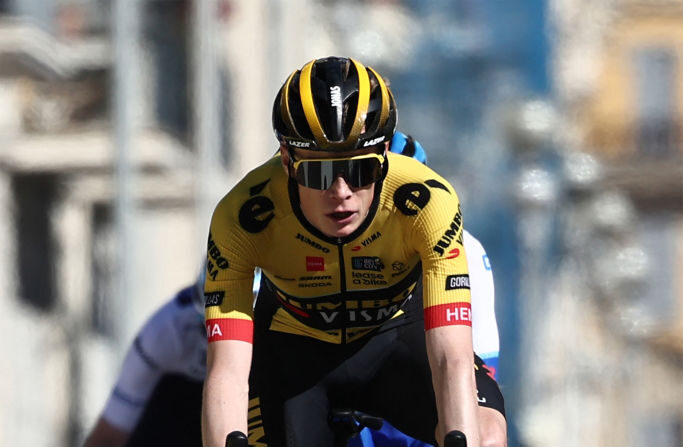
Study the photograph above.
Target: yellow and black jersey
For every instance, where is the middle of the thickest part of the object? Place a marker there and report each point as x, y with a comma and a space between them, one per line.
336, 289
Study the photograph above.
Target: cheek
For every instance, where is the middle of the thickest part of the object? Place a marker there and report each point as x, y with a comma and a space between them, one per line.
365, 198
309, 200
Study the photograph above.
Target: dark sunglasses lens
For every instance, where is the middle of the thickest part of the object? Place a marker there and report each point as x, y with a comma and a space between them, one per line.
364, 172
320, 174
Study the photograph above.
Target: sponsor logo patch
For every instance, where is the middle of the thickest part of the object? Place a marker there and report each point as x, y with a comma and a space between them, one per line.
367, 263
453, 253
454, 232
214, 298
315, 281
335, 96
229, 329
215, 259
312, 243
411, 197
257, 432
257, 212
398, 267
368, 279
457, 282
448, 314
298, 143
315, 264
487, 262
373, 141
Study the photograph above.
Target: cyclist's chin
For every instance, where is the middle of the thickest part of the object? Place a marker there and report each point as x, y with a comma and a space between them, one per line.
334, 229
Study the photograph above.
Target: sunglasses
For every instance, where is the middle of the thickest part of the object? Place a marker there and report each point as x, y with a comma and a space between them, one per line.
320, 173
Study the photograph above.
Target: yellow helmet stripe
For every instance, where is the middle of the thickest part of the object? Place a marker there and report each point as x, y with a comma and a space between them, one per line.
307, 103
384, 112
284, 106
363, 102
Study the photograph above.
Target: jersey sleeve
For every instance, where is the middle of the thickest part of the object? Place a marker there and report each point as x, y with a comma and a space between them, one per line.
485, 337
438, 236
144, 364
229, 278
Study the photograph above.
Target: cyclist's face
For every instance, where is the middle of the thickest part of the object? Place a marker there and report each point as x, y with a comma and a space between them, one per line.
339, 210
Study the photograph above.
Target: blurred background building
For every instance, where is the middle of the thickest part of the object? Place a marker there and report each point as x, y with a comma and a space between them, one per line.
558, 121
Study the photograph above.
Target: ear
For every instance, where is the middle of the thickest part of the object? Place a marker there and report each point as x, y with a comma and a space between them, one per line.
284, 157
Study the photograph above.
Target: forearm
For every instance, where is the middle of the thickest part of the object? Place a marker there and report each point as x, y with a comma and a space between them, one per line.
454, 387
224, 410
226, 397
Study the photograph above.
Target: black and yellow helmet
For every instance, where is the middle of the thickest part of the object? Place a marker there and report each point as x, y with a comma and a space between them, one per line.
334, 104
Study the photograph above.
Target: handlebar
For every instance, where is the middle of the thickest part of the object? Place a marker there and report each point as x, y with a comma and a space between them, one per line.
346, 424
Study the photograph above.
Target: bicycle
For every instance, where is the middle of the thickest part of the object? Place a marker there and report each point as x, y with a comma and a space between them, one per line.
347, 423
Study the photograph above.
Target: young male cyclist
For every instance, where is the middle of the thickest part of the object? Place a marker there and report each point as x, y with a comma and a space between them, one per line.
157, 395
348, 238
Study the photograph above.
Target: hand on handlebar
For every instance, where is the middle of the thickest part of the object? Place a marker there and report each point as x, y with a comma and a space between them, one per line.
236, 439
455, 438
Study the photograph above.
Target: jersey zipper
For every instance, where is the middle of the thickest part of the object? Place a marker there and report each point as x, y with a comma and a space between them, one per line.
342, 279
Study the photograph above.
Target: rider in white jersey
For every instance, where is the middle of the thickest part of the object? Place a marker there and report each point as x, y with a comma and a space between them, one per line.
173, 342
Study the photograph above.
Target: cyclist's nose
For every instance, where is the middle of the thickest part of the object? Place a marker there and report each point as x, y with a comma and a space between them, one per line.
340, 189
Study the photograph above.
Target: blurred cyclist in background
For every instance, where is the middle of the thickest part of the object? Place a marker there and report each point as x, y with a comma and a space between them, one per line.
157, 396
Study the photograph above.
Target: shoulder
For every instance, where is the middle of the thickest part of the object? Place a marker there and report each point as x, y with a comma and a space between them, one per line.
477, 258
415, 189
252, 202
165, 322
267, 180
472, 244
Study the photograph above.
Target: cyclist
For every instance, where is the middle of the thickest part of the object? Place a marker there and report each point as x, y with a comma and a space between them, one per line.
349, 238
158, 392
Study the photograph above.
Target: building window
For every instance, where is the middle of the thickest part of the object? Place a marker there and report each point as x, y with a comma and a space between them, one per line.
34, 199
657, 303
103, 264
656, 428
655, 90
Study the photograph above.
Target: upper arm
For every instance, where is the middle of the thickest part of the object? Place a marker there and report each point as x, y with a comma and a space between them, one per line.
438, 237
105, 434
231, 260
484, 325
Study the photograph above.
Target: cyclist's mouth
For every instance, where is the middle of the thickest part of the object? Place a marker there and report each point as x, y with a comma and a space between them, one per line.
341, 217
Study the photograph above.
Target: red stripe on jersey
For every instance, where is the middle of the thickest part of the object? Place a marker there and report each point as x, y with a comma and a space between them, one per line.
448, 315
291, 307
230, 329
